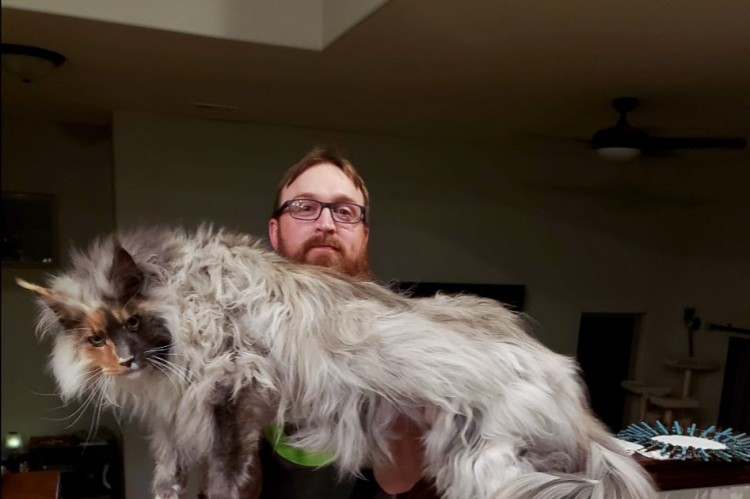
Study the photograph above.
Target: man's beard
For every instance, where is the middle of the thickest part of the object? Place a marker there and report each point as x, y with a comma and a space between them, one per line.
352, 265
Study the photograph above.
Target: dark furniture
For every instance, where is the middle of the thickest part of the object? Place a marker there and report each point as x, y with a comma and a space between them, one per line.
88, 470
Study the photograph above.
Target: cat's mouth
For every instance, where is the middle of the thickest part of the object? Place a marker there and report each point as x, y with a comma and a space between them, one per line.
132, 373
125, 371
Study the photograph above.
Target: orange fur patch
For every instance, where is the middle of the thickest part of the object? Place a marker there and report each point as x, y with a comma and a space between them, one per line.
104, 357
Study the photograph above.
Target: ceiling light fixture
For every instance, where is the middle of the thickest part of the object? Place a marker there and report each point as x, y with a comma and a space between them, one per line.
621, 142
618, 154
29, 63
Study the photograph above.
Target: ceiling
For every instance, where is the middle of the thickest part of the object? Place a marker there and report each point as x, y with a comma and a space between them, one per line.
491, 72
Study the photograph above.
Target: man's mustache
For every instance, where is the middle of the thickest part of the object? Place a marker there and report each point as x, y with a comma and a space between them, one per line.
333, 242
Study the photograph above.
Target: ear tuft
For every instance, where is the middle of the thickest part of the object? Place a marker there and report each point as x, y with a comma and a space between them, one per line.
49, 298
36, 289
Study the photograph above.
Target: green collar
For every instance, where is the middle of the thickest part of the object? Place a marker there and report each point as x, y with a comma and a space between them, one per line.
274, 433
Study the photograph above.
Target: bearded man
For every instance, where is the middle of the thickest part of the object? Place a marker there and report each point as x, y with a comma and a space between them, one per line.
320, 217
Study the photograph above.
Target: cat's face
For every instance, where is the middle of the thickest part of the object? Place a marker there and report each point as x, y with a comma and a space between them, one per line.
120, 341
111, 334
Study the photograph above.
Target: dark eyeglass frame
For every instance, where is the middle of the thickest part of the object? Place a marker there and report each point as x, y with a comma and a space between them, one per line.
330, 206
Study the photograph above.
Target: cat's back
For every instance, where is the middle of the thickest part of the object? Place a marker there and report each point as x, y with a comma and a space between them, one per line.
206, 245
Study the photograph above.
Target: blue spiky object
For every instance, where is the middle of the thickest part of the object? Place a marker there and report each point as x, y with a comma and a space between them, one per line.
688, 443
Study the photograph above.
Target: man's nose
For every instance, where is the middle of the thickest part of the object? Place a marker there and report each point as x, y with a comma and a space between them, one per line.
325, 220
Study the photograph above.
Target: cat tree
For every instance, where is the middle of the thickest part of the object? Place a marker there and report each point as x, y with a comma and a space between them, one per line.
657, 396
684, 402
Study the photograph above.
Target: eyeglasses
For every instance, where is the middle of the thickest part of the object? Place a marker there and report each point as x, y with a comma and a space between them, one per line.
309, 209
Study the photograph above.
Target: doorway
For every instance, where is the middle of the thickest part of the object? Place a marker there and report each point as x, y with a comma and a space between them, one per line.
605, 346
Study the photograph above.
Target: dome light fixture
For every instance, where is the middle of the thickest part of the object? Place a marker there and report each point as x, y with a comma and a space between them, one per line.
29, 63
618, 154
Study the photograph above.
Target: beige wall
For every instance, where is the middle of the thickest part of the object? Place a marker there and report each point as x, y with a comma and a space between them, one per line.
74, 162
443, 212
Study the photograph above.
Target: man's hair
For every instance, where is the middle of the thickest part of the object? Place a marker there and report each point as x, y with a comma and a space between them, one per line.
318, 156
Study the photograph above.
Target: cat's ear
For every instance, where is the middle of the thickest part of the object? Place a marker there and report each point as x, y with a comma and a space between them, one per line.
49, 298
126, 275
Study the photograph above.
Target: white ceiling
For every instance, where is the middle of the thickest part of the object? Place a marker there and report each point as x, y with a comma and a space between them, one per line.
308, 24
477, 70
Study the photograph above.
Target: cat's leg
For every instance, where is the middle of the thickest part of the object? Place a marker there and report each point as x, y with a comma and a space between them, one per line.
466, 463
170, 475
233, 470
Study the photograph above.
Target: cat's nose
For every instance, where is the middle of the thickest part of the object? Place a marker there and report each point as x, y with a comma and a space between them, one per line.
127, 362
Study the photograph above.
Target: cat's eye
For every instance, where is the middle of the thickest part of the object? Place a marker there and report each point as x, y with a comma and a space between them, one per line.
97, 340
133, 323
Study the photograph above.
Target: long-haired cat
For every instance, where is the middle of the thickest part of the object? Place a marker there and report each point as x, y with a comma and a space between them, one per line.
208, 337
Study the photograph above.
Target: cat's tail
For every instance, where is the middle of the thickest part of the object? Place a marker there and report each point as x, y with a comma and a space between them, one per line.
610, 474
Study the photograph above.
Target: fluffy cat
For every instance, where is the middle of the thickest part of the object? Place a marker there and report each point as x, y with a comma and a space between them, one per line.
208, 337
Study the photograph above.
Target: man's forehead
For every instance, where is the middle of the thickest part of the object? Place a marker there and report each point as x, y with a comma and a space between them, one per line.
325, 182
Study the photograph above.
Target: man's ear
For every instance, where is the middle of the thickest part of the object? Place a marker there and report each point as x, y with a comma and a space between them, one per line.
273, 233
49, 298
126, 275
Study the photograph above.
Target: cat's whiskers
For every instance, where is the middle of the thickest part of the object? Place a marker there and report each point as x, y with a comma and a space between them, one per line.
93, 424
98, 406
58, 407
55, 394
91, 374
182, 373
187, 373
167, 374
118, 415
184, 376
78, 413
160, 349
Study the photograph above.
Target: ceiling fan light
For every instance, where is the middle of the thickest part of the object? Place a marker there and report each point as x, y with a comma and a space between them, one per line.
29, 63
618, 154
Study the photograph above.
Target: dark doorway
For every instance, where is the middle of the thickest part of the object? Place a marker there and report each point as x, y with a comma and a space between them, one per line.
605, 345
734, 411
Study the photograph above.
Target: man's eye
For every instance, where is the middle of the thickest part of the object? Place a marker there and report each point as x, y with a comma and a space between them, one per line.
97, 340
345, 211
133, 323
304, 206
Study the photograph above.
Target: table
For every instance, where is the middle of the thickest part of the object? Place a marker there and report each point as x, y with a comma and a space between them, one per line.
674, 474
32, 485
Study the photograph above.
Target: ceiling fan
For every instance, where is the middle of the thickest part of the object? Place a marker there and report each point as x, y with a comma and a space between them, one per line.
623, 142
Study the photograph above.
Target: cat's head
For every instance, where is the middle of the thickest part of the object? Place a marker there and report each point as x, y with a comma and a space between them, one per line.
100, 321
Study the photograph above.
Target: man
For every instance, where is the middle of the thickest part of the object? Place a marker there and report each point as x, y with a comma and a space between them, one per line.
320, 217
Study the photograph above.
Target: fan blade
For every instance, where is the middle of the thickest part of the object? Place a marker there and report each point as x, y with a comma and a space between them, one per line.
671, 143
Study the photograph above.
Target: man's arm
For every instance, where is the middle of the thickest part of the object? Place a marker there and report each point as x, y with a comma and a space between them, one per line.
405, 469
